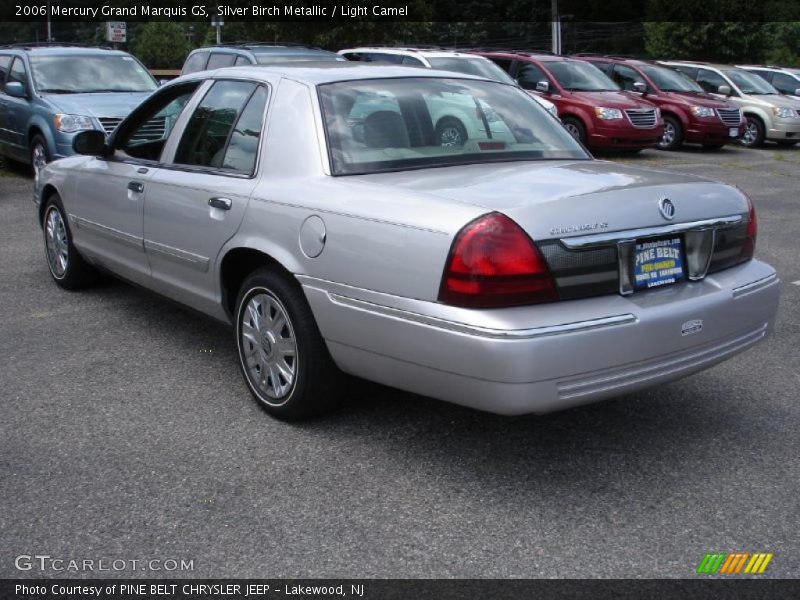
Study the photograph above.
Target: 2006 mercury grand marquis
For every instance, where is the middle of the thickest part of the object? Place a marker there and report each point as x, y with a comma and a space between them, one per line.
315, 208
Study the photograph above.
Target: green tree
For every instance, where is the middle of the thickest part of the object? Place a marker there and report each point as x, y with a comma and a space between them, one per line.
162, 45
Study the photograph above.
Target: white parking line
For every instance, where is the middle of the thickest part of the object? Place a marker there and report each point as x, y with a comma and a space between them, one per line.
796, 283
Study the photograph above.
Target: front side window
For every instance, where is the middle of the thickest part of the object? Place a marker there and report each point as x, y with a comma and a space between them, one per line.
529, 75
577, 76
625, 77
750, 83
195, 62
785, 84
18, 73
225, 114
219, 60
710, 81
90, 73
144, 134
405, 123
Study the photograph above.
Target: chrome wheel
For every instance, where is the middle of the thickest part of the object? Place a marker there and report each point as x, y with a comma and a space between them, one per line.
669, 135
451, 136
38, 159
269, 347
56, 243
750, 134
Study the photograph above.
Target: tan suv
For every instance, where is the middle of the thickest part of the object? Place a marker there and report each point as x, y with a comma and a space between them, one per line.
770, 116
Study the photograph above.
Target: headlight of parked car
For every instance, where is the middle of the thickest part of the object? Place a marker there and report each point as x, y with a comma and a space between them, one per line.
607, 113
783, 113
72, 123
702, 111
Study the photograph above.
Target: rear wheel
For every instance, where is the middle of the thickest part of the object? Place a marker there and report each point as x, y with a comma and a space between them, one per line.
575, 129
754, 132
283, 358
66, 265
672, 138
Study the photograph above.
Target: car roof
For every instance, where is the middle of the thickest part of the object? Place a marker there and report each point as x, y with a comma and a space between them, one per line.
786, 70
411, 51
56, 50
690, 63
318, 73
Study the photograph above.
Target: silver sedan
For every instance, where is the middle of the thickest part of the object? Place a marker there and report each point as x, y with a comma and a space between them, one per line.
316, 210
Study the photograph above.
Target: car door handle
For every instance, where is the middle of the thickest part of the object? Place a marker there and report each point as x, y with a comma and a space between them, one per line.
221, 203
136, 186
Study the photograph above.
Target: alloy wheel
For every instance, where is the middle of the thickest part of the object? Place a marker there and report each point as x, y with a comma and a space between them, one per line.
38, 159
451, 136
750, 133
668, 138
573, 130
269, 346
56, 243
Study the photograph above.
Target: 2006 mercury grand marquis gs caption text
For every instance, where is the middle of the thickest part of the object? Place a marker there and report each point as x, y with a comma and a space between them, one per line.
315, 209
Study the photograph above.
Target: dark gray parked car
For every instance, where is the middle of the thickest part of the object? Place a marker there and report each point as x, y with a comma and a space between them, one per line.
252, 53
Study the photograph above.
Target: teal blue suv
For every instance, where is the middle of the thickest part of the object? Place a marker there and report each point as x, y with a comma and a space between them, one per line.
50, 92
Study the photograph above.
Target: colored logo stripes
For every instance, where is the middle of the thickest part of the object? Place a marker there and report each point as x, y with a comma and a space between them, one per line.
734, 563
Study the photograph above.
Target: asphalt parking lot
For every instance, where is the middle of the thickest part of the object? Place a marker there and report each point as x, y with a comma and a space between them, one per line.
127, 433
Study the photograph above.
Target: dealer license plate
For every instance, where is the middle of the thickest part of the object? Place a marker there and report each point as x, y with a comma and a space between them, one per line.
733, 132
658, 263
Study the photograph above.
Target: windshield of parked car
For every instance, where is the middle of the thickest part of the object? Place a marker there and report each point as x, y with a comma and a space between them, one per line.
90, 73
750, 83
668, 80
413, 122
472, 66
579, 76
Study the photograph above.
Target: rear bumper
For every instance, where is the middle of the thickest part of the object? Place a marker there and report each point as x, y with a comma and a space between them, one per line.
549, 357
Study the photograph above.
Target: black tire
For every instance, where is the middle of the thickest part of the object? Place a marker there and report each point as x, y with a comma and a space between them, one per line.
786, 143
66, 265
713, 146
575, 128
754, 132
38, 152
315, 385
451, 132
673, 134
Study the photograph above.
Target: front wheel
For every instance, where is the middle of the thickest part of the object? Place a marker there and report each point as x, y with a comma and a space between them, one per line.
672, 138
451, 132
754, 133
40, 156
575, 129
283, 358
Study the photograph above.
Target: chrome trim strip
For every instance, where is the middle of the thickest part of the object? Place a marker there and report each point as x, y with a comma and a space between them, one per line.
187, 259
486, 332
756, 285
610, 237
108, 232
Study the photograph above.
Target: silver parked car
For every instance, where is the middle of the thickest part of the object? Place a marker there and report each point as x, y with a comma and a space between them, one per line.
315, 210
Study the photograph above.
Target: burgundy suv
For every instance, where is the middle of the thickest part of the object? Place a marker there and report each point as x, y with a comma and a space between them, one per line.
591, 106
690, 115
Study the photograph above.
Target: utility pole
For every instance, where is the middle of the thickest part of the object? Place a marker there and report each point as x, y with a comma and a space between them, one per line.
49, 26
556, 27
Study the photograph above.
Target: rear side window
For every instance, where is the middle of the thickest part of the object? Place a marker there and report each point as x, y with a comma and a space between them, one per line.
412, 62
710, 81
503, 63
219, 60
242, 60
211, 126
196, 62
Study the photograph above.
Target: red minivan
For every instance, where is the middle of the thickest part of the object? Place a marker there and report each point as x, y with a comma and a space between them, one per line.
591, 106
690, 115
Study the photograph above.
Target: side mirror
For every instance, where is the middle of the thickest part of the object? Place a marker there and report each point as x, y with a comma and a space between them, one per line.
640, 87
16, 89
90, 142
725, 90
543, 86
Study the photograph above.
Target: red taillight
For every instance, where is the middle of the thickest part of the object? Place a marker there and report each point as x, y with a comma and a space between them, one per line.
749, 245
493, 263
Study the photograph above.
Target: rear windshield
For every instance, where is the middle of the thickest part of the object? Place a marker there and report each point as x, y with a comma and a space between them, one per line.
90, 73
668, 80
578, 76
482, 67
406, 123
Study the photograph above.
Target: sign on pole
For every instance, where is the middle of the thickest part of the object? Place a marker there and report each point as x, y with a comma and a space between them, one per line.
116, 31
